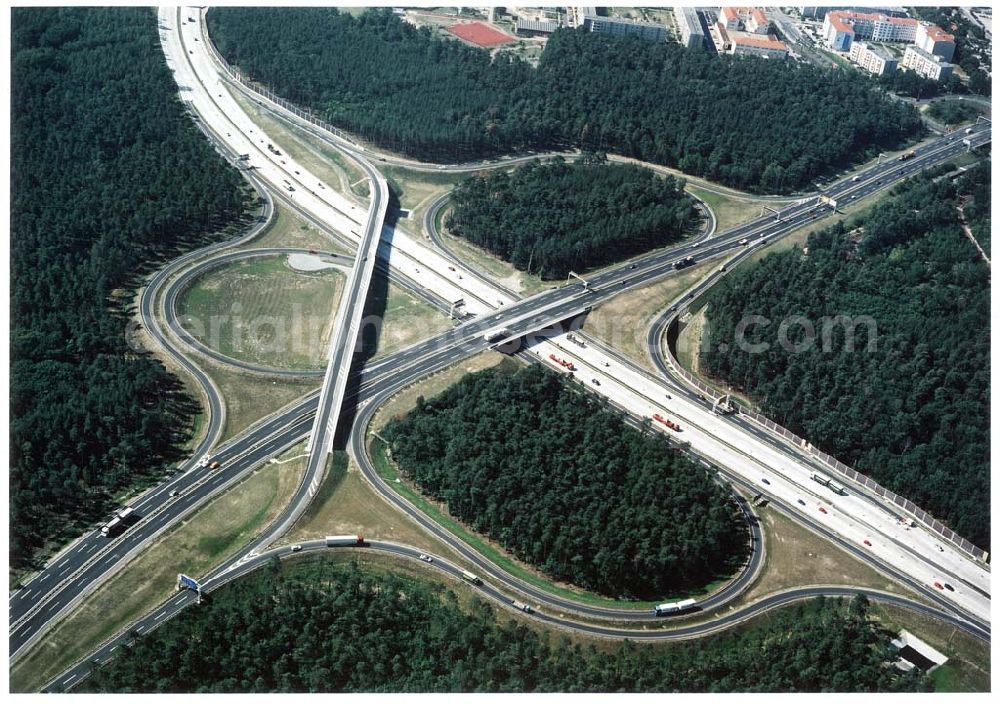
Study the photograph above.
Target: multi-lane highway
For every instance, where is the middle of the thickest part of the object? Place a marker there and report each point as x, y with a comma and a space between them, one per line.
521, 318
383, 378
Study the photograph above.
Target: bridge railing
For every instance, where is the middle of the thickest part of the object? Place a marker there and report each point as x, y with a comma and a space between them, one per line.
831, 462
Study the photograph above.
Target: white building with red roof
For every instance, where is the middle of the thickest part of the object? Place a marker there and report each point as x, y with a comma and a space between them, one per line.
842, 27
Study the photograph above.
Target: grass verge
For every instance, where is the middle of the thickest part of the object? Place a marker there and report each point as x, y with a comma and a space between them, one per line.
288, 229
193, 547
346, 504
622, 321
323, 161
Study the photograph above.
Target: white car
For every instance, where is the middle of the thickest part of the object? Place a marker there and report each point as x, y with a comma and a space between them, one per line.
744, 241
296, 548
426, 558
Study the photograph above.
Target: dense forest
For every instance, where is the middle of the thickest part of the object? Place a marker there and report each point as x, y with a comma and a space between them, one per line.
912, 412
554, 218
562, 482
323, 628
974, 195
106, 170
766, 126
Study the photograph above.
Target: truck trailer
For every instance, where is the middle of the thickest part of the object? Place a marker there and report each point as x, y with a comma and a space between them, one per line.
673, 607
339, 541
498, 334
117, 525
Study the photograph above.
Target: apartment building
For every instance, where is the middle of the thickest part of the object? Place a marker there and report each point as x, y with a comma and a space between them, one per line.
873, 59
842, 27
926, 64
621, 27
935, 40
692, 34
750, 19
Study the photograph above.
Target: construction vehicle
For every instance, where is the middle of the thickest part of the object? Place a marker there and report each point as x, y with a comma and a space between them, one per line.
669, 423
563, 362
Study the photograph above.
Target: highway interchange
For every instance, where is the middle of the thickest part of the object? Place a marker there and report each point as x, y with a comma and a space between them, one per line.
538, 320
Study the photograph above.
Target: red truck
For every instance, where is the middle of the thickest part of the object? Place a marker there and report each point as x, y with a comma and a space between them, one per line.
563, 362
669, 423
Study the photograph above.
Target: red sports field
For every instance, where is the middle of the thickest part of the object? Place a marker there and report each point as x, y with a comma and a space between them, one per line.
479, 34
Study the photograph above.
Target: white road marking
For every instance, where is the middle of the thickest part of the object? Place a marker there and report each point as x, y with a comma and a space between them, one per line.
160, 615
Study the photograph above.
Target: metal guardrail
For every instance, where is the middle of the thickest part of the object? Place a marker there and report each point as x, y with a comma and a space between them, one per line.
834, 464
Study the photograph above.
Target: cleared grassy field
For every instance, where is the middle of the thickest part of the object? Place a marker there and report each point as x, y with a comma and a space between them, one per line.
250, 397
729, 211
265, 312
192, 547
798, 557
414, 187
